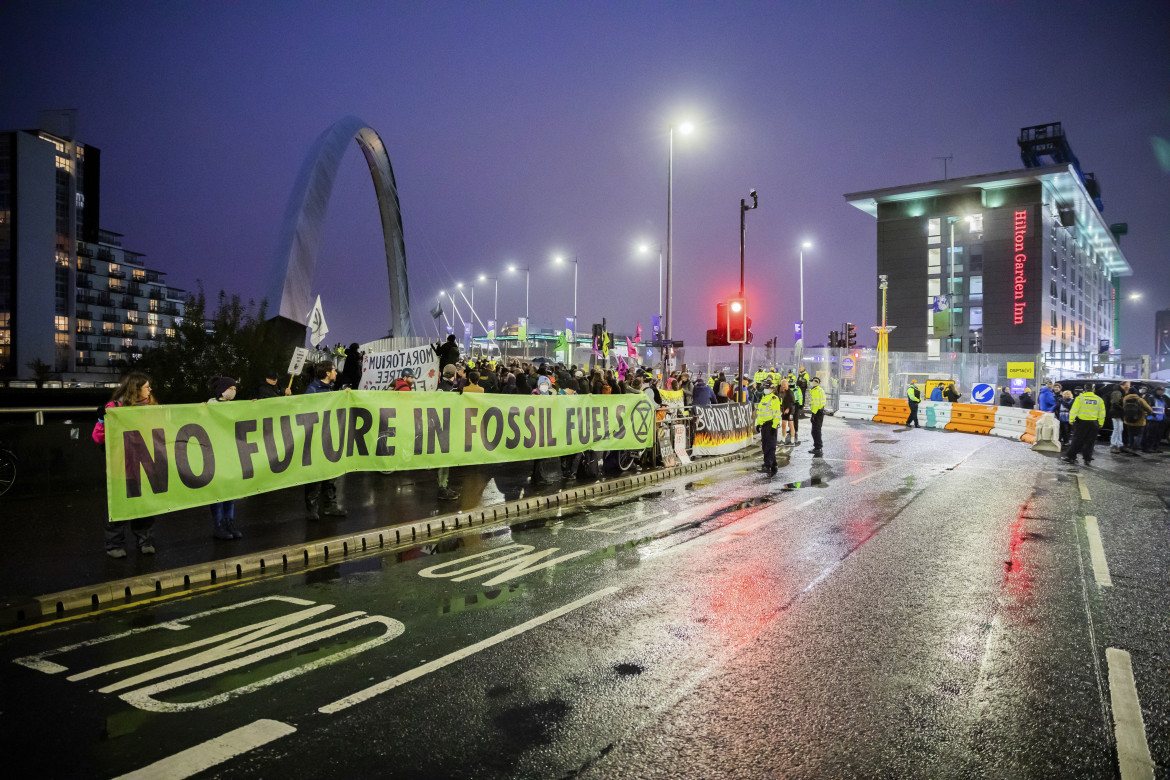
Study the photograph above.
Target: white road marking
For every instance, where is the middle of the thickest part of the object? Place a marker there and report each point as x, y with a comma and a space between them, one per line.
1133, 752
48, 667
1097, 553
213, 752
459, 655
1084, 488
874, 474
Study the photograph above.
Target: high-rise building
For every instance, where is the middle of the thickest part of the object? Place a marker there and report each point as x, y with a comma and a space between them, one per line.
1015, 262
71, 297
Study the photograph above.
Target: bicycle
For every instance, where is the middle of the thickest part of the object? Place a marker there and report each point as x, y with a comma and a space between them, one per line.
7, 469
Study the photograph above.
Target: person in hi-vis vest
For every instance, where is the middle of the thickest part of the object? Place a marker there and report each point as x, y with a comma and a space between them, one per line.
914, 396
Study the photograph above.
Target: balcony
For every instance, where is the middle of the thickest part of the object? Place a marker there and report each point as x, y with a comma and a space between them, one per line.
106, 256
135, 289
104, 346
84, 314
111, 318
170, 309
117, 274
84, 330
84, 251
88, 268
156, 294
84, 284
84, 298
103, 299
129, 303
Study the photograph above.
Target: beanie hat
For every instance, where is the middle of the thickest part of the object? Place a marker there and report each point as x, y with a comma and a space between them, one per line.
222, 384
449, 370
544, 380
273, 374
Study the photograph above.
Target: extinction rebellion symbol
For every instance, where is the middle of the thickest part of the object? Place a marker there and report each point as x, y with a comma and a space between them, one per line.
640, 417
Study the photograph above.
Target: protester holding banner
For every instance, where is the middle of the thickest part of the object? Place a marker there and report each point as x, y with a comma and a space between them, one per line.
134, 390
268, 388
321, 497
223, 513
448, 353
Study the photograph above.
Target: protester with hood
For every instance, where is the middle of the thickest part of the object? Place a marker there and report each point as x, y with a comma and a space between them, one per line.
703, 394
223, 513
543, 386
269, 387
1046, 399
405, 382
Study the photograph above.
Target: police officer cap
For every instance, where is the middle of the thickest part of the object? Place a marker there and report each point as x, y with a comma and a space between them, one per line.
767, 383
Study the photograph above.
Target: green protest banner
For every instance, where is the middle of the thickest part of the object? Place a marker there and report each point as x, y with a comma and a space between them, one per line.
164, 458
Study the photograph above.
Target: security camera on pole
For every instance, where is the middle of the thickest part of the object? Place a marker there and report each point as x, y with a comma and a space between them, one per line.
744, 208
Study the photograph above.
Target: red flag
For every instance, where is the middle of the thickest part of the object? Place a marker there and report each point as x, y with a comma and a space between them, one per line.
638, 335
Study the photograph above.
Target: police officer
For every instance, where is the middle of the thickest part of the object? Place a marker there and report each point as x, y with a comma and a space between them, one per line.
914, 396
1086, 417
816, 405
767, 418
797, 412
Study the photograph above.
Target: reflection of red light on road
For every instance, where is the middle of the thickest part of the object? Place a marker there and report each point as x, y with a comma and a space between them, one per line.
1017, 577
740, 605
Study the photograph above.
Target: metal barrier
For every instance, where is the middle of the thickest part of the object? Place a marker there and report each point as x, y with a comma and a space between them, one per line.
38, 413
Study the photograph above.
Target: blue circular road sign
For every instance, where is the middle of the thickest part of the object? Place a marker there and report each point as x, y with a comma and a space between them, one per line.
983, 393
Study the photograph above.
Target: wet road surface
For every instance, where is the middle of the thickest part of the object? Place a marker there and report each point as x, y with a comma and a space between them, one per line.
915, 604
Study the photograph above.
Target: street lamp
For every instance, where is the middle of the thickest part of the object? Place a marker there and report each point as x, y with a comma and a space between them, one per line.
643, 249
471, 303
686, 128
560, 260
527, 273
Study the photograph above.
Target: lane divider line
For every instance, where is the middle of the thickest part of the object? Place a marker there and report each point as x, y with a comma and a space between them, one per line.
1084, 488
1133, 752
1097, 553
213, 752
459, 655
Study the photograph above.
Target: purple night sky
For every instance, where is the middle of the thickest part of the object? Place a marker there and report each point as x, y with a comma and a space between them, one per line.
518, 130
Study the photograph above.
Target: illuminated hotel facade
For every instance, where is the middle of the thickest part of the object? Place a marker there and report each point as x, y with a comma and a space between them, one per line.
71, 296
1014, 262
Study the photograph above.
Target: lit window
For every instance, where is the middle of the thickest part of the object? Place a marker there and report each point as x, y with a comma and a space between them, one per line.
976, 287
170, 333
933, 230
933, 288
61, 323
933, 260
976, 223
976, 317
932, 348
61, 339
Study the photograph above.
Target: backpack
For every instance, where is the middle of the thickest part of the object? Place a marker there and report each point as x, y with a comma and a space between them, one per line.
1132, 410
99, 428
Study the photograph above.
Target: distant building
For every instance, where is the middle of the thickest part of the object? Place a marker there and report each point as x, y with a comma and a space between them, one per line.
1014, 262
70, 295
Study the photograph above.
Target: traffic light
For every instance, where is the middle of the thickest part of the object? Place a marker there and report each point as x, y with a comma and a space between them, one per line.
718, 336
850, 335
737, 321
833, 336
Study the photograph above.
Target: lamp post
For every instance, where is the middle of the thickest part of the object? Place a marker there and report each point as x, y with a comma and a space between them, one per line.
496, 302
686, 128
644, 248
527, 273
470, 303
804, 245
559, 259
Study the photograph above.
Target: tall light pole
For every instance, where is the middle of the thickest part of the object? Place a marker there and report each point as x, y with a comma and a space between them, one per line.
644, 248
496, 303
559, 259
470, 303
805, 245
686, 128
527, 273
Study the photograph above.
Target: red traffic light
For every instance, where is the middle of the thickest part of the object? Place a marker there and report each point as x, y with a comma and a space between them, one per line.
737, 321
